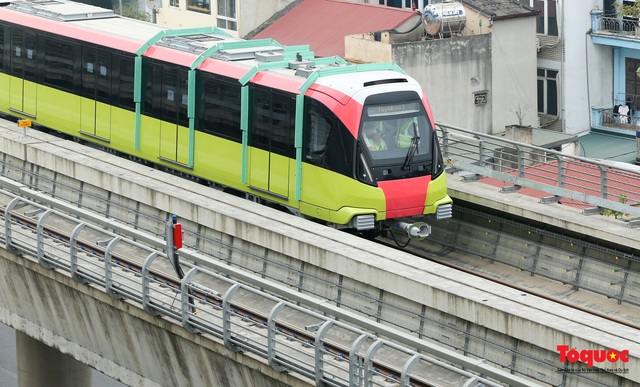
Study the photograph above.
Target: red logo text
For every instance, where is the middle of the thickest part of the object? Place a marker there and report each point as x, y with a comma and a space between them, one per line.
591, 356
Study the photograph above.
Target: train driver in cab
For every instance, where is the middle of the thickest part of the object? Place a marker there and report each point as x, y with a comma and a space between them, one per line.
406, 132
373, 137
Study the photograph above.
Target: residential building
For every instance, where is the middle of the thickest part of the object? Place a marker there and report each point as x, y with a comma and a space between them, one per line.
237, 17
613, 81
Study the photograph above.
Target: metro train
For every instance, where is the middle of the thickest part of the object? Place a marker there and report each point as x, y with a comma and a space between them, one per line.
270, 122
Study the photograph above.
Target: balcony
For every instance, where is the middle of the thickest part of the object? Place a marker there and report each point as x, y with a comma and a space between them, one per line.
605, 118
624, 27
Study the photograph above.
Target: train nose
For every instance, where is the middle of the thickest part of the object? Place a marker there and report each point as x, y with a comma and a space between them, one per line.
418, 230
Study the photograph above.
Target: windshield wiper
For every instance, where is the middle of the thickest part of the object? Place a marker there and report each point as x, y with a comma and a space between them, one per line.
413, 148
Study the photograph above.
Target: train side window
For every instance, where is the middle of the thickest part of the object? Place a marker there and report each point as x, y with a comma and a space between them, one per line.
327, 142
103, 76
272, 124
2, 34
23, 54
174, 95
318, 130
30, 56
151, 73
124, 88
282, 120
59, 64
88, 85
220, 107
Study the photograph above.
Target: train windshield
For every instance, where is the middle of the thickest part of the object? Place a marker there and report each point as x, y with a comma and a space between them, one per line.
398, 136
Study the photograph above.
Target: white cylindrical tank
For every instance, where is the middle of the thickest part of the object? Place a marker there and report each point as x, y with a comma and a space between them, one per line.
443, 18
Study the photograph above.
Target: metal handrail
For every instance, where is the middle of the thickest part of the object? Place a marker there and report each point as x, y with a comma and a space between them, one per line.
603, 184
202, 301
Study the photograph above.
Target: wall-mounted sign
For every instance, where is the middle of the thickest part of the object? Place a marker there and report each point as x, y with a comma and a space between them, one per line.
480, 97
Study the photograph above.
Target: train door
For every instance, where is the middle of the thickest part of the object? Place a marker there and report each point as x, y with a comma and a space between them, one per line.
271, 137
23, 89
97, 74
174, 128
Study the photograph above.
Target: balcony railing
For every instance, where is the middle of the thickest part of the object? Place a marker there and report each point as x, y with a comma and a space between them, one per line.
605, 117
621, 26
614, 24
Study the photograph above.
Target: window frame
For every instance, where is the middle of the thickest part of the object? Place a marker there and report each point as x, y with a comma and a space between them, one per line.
546, 90
545, 23
199, 6
227, 19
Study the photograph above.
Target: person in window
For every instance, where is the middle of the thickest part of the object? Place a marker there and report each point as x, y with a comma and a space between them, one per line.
373, 138
405, 132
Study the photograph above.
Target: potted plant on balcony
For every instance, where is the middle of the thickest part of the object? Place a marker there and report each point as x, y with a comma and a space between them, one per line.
626, 10
630, 12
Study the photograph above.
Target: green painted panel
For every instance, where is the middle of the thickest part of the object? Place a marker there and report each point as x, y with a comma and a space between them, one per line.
259, 169
23, 96
218, 159
437, 190
183, 145
168, 139
5, 83
340, 195
87, 116
122, 127
58, 109
15, 94
30, 98
149, 138
103, 121
279, 175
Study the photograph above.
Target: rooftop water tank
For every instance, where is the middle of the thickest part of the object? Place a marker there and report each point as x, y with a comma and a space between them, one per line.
443, 18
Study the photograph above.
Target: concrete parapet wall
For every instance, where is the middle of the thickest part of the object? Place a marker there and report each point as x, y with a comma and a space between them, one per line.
373, 272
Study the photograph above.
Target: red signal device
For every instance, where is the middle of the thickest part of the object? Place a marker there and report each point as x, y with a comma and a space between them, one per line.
177, 236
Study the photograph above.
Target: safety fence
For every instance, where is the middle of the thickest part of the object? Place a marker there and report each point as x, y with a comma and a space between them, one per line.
603, 186
292, 331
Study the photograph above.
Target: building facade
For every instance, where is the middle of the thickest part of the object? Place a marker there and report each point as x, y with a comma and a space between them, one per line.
237, 17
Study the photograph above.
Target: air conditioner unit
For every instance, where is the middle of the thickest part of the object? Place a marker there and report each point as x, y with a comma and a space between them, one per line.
538, 44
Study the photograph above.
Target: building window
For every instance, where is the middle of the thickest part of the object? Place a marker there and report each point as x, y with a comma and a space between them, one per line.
174, 3
392, 3
547, 21
632, 85
548, 92
227, 15
202, 6
407, 4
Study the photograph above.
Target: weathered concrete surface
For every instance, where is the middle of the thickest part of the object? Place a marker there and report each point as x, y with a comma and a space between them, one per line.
117, 337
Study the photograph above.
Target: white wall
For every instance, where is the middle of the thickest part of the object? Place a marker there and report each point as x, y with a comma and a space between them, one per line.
450, 71
514, 86
581, 59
